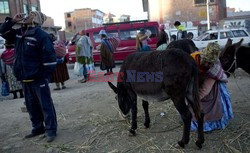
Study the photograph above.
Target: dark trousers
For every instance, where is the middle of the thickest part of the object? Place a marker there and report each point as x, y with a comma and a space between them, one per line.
40, 107
85, 71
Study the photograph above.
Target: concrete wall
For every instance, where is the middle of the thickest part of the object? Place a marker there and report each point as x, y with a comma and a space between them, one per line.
16, 6
171, 10
82, 19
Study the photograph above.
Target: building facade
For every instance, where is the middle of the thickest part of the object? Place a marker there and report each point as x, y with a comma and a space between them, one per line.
124, 18
11, 7
109, 18
85, 18
192, 13
237, 19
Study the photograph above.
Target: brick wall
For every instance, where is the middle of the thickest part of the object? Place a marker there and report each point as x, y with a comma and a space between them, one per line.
49, 22
184, 10
16, 6
80, 19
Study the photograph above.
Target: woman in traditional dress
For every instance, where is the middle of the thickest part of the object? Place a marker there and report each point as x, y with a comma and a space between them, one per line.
215, 99
142, 39
60, 75
107, 53
7, 67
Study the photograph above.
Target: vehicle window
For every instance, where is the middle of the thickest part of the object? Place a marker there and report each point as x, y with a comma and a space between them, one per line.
112, 34
128, 34
225, 35
153, 31
97, 38
239, 33
75, 39
211, 36
199, 38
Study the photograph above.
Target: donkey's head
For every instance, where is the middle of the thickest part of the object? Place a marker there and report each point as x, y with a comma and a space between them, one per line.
124, 100
228, 55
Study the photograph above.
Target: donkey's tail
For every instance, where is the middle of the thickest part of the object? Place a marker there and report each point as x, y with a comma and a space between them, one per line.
193, 97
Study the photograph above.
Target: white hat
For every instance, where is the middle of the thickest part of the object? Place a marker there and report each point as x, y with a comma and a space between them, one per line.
102, 32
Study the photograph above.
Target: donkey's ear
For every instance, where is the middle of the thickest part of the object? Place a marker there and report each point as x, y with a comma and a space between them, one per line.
228, 44
239, 43
113, 87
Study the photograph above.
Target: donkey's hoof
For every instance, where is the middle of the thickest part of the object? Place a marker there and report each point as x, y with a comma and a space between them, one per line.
132, 132
181, 144
146, 125
199, 144
186, 141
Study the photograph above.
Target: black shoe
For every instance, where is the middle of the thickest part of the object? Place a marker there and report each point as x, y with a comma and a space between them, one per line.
33, 134
83, 81
50, 138
63, 87
108, 73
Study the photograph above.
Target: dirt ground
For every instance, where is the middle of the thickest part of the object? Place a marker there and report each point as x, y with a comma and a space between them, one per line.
88, 121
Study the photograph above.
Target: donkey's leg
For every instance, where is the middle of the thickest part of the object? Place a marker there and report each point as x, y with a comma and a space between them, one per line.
199, 115
200, 139
134, 117
147, 118
186, 117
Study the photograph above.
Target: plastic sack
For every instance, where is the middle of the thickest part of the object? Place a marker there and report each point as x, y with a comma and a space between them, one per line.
78, 69
4, 90
90, 68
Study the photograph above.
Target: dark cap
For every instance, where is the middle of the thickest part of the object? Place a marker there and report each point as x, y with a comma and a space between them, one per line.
142, 31
177, 23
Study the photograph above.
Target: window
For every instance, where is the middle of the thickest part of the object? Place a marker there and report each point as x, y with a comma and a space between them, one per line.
202, 2
75, 39
113, 34
239, 33
68, 15
211, 36
130, 34
225, 35
153, 31
25, 8
34, 8
97, 38
69, 24
4, 7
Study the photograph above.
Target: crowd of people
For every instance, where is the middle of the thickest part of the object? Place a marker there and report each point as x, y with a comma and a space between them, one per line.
34, 58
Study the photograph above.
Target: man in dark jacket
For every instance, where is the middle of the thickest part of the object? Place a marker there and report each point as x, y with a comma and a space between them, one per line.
35, 60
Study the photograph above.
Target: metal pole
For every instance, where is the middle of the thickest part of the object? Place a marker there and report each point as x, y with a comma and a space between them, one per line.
208, 17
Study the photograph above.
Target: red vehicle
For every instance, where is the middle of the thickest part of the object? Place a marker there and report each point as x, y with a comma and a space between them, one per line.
125, 31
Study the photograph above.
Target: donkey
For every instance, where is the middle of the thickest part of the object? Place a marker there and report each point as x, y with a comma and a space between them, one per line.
186, 45
235, 56
159, 76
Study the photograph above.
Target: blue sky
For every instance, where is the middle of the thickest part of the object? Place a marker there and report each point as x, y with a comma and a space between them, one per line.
56, 8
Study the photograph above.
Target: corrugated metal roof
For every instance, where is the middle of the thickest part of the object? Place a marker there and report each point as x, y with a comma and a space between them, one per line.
237, 14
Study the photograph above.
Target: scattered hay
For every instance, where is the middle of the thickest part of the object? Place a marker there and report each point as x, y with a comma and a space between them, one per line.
110, 134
